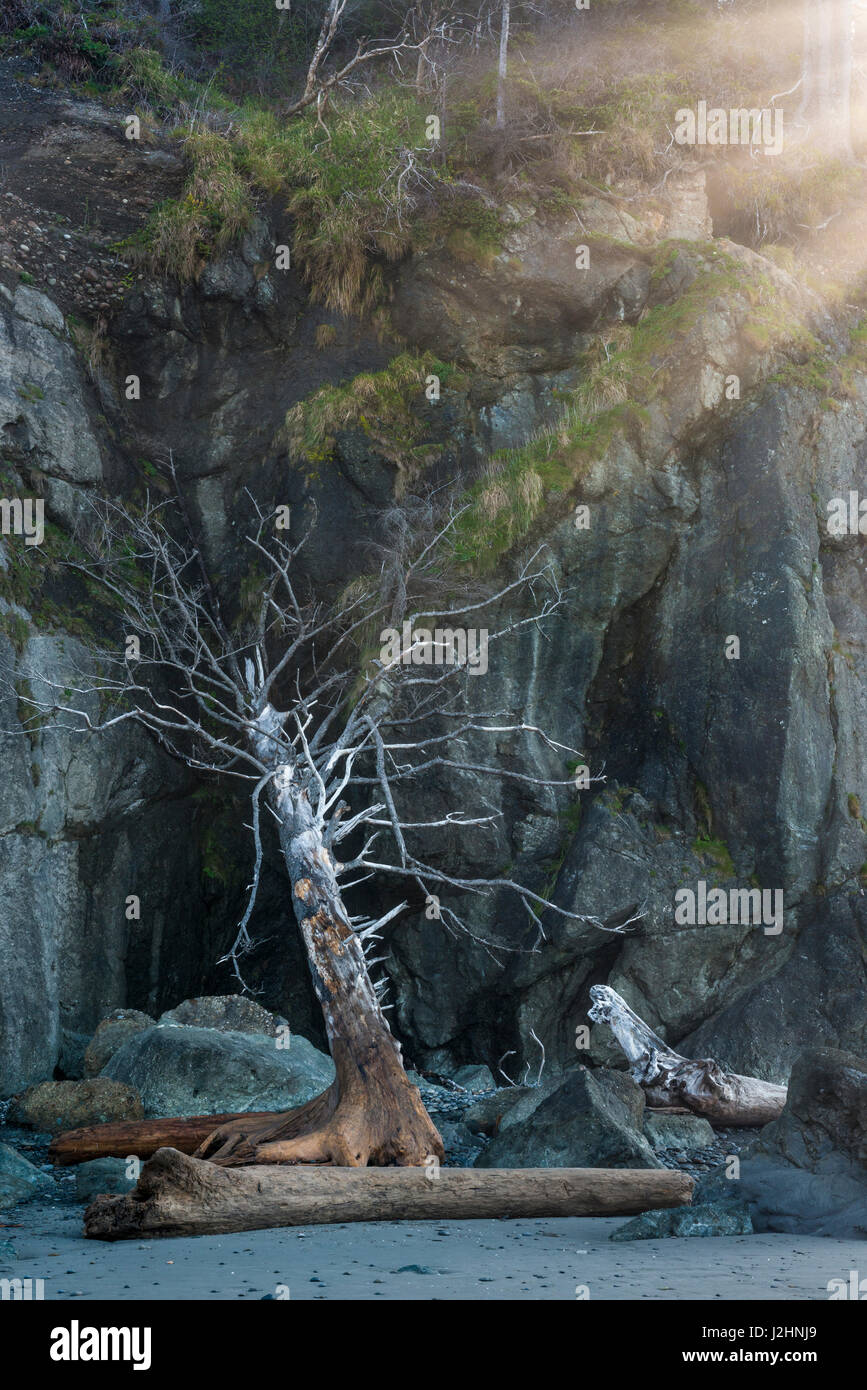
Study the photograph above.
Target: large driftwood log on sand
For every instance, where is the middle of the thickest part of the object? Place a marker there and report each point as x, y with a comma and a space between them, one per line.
669, 1080
142, 1138
178, 1195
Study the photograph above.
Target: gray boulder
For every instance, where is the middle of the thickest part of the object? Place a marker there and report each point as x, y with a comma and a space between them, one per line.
73, 1046
707, 1219
457, 1139
474, 1078
112, 1033
102, 1175
509, 1105
228, 1013
592, 1119
202, 1071
806, 1173
19, 1179
54, 1106
677, 1131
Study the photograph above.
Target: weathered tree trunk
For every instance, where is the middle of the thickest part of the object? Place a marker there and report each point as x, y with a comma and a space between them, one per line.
141, 1138
180, 1196
371, 1113
669, 1080
826, 75
502, 65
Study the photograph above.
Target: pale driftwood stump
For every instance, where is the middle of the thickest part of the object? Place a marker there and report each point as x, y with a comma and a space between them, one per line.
670, 1080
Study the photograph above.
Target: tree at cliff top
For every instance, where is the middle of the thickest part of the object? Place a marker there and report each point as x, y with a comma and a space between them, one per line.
295, 707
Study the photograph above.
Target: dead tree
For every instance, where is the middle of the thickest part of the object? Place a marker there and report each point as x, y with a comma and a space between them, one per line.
502, 65
287, 706
319, 81
670, 1081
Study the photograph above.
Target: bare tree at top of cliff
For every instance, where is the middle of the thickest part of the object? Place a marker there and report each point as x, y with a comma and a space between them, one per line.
502, 65
319, 81
288, 707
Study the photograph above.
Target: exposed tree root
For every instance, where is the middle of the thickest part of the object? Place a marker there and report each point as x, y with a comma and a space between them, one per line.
370, 1114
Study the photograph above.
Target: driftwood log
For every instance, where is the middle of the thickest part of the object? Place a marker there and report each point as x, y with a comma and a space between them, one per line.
672, 1081
178, 1195
142, 1138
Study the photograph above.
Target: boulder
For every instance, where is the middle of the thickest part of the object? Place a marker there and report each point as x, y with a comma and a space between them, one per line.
458, 1141
706, 1219
228, 1013
677, 1131
53, 1106
590, 1119
73, 1046
112, 1033
19, 1179
806, 1173
508, 1105
203, 1071
103, 1175
475, 1078
36, 308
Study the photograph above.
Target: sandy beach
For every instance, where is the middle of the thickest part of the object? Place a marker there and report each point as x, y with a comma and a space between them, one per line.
484, 1261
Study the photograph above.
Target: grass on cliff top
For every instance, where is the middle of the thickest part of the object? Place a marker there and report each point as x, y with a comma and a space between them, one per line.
347, 188
768, 201
341, 188
625, 82
214, 209
624, 372
344, 182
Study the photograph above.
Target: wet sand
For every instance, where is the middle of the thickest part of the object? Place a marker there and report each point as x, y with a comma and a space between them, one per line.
479, 1260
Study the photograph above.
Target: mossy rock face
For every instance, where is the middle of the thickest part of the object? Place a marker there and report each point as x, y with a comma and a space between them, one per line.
703, 519
696, 306
390, 414
42, 398
522, 307
716, 853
